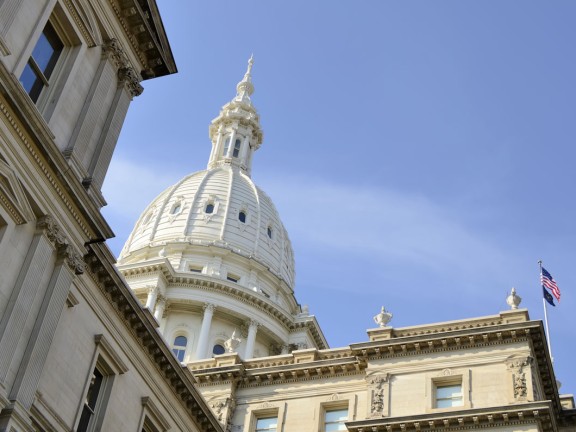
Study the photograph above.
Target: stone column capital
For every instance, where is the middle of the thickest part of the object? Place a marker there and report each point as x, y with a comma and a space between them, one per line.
209, 307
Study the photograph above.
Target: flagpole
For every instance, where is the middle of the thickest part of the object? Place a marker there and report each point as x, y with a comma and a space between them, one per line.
546, 317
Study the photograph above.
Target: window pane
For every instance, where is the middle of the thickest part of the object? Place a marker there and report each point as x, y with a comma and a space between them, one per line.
448, 391
335, 427
180, 341
218, 349
242, 217
209, 208
28, 78
336, 415
266, 424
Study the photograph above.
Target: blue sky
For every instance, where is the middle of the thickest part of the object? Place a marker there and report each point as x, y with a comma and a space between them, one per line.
420, 153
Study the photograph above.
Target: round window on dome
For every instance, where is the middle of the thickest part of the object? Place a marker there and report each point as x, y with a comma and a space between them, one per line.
242, 216
209, 208
218, 349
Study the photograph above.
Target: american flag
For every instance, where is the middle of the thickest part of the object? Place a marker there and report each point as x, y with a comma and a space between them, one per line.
548, 282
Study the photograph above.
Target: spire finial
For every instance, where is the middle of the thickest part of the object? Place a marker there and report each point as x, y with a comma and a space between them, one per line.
245, 87
250, 64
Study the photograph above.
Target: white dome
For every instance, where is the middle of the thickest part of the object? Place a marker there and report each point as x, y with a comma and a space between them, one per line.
211, 257
204, 210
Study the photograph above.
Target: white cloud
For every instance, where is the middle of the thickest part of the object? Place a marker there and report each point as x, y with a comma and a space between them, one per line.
395, 227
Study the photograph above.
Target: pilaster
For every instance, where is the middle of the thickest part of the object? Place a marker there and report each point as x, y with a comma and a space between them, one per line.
8, 11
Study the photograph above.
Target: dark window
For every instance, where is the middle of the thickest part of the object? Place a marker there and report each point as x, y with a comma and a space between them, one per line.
242, 216
42, 62
209, 208
91, 400
236, 151
269, 232
218, 349
232, 278
195, 269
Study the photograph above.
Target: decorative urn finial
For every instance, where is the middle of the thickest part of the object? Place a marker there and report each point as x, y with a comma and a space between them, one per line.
232, 344
383, 318
513, 300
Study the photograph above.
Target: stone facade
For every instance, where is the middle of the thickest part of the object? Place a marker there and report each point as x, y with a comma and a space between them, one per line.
77, 352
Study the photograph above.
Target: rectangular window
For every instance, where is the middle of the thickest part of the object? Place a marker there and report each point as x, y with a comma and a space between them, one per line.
91, 402
334, 419
233, 278
37, 72
196, 269
267, 424
449, 395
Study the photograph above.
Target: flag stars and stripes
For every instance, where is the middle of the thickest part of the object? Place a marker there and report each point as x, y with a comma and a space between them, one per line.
549, 283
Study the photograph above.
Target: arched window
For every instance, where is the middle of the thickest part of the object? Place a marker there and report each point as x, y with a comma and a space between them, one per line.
242, 216
209, 208
179, 347
236, 151
226, 147
218, 349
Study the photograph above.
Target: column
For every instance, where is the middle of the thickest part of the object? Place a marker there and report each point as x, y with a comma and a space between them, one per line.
151, 299
160, 305
202, 346
22, 299
24, 388
251, 339
88, 127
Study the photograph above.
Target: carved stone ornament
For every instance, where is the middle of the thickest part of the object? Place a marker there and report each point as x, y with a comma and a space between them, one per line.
520, 389
128, 77
516, 366
232, 343
65, 251
112, 50
513, 300
383, 318
376, 393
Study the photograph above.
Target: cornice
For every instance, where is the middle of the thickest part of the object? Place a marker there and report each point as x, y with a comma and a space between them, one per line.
144, 29
101, 269
287, 370
470, 419
446, 341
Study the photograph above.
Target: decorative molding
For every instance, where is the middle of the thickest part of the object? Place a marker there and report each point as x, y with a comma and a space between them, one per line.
106, 349
58, 238
45, 170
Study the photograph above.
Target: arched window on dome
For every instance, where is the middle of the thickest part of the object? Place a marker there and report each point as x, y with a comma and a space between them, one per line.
209, 209
176, 208
236, 150
269, 231
242, 216
218, 349
179, 347
226, 147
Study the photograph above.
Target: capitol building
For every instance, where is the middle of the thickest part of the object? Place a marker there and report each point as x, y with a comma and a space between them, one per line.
197, 326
